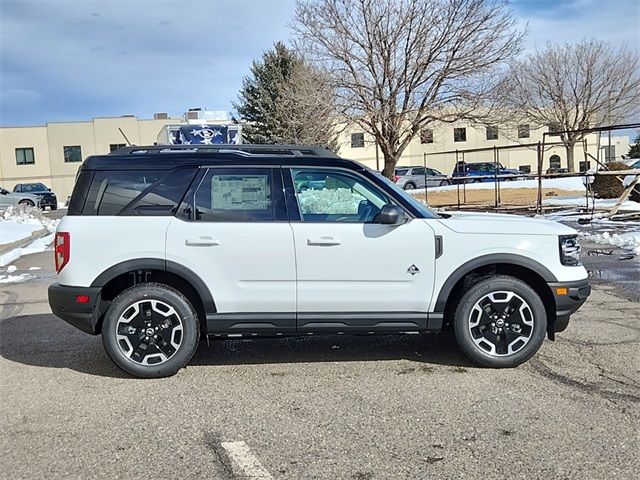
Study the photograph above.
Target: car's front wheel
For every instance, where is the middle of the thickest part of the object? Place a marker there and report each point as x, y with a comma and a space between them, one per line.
500, 322
444, 183
409, 186
27, 203
150, 331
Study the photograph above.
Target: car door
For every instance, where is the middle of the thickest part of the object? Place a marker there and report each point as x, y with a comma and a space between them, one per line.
232, 231
6, 199
417, 176
354, 274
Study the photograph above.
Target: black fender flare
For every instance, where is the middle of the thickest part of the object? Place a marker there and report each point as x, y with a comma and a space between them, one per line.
484, 260
159, 264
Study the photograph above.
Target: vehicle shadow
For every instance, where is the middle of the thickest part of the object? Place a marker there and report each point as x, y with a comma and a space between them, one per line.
46, 341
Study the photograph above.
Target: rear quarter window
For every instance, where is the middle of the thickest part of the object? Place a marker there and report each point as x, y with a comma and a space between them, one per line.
150, 192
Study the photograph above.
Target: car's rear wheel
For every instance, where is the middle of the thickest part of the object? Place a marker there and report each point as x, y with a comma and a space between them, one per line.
27, 203
150, 331
500, 322
409, 186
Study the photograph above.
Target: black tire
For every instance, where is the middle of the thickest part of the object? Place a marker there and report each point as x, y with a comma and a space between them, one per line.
140, 297
54, 207
409, 186
444, 183
27, 203
530, 321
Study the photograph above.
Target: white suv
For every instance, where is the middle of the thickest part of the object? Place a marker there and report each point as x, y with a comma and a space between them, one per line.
164, 245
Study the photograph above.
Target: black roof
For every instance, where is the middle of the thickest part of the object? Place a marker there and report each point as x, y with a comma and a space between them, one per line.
166, 157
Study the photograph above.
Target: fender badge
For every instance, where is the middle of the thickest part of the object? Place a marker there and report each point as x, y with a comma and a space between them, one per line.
413, 270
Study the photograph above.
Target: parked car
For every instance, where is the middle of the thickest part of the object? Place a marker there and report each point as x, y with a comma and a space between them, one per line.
40, 190
485, 171
165, 245
8, 199
409, 178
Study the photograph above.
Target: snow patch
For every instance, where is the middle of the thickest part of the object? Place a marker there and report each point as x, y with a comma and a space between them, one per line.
627, 241
11, 268
569, 183
37, 246
23, 277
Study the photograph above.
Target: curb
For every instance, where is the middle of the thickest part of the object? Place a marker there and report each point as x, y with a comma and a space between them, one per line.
7, 247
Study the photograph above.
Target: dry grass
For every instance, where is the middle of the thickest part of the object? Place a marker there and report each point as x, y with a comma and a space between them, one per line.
508, 196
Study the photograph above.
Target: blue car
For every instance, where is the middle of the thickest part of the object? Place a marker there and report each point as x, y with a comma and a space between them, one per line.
485, 171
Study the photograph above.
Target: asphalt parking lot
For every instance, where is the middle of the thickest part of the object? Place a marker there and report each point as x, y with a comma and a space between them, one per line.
319, 408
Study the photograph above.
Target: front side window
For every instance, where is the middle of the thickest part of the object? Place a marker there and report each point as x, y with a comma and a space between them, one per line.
25, 156
336, 196
460, 134
239, 195
72, 154
357, 140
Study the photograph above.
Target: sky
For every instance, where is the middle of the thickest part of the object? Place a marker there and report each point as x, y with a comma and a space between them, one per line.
73, 60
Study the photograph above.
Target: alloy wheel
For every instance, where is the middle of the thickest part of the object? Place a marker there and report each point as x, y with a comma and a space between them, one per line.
149, 332
501, 323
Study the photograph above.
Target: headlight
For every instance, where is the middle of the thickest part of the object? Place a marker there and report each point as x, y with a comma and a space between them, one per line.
569, 250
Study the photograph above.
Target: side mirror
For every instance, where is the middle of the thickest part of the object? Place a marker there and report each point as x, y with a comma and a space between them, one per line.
391, 215
49, 189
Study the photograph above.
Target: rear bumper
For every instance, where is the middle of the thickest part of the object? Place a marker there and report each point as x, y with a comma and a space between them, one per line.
569, 297
84, 316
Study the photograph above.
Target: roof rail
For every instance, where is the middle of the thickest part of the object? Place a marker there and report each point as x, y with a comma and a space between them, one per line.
243, 149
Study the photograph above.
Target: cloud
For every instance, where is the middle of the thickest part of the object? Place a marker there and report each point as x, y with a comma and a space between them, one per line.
75, 60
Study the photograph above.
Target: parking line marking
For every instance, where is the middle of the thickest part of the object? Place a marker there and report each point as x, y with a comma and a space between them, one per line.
244, 463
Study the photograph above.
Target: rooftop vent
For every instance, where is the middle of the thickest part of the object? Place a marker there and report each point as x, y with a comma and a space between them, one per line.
160, 116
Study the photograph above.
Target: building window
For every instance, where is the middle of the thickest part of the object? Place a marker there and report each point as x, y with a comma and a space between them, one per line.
609, 153
524, 131
24, 156
357, 140
72, 154
116, 146
525, 168
460, 134
584, 166
554, 162
492, 133
554, 127
426, 135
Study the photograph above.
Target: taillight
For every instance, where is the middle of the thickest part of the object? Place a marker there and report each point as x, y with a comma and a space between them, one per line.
396, 178
61, 250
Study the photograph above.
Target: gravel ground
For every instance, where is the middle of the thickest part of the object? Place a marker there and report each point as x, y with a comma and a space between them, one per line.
319, 408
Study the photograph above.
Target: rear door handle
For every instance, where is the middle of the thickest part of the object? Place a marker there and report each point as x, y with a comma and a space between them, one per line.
201, 242
323, 242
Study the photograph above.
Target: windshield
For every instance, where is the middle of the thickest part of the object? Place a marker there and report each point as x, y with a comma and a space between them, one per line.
418, 205
34, 187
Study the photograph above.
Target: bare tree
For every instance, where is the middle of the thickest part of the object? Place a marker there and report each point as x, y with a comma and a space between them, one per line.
307, 109
398, 65
574, 86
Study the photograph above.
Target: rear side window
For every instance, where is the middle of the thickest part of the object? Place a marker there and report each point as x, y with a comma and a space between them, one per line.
152, 192
238, 195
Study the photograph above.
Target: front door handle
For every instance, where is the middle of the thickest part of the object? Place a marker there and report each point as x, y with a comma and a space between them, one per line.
323, 242
201, 242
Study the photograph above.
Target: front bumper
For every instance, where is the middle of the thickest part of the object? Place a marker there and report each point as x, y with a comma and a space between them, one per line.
85, 316
49, 201
569, 297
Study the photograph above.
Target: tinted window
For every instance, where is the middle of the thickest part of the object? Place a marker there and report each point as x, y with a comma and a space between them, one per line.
418, 171
239, 195
164, 197
111, 192
402, 171
341, 197
80, 191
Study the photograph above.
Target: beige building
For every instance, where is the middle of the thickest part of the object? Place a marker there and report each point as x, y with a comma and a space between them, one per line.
445, 144
51, 154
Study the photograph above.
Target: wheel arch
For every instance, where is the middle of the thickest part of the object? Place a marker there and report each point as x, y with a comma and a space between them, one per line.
123, 275
534, 274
